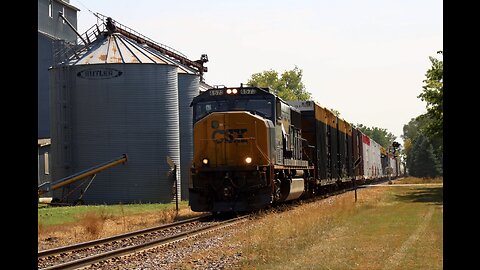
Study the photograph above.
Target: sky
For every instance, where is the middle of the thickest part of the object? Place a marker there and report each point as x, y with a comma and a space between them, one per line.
366, 59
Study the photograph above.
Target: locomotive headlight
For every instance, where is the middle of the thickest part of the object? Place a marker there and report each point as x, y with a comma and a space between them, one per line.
248, 160
205, 161
232, 91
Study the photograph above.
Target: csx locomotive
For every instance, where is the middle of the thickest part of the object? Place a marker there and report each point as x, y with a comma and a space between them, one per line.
251, 149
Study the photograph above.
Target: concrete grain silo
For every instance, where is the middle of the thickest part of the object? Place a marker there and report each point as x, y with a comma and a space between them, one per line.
116, 97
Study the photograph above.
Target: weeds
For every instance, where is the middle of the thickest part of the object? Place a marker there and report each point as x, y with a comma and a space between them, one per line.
84, 223
93, 223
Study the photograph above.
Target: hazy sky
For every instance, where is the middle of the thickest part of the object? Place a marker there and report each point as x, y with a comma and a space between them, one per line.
366, 59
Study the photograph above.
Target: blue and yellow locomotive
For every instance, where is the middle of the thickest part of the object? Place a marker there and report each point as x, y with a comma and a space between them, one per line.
247, 151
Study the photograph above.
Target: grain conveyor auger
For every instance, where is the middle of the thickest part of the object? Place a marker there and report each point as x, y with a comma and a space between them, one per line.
90, 172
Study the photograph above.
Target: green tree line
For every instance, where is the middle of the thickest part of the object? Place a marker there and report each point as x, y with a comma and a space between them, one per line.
423, 135
381, 135
289, 86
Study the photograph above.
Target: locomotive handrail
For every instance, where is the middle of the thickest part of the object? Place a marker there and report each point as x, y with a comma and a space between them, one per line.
263, 154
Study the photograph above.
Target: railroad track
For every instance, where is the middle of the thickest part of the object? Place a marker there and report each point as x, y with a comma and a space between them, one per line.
88, 253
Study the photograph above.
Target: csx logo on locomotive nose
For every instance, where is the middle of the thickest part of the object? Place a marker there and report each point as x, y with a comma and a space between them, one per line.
229, 135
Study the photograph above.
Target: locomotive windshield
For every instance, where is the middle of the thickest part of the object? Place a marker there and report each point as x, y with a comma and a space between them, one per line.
261, 106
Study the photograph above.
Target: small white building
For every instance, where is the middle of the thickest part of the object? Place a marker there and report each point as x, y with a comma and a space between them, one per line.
44, 167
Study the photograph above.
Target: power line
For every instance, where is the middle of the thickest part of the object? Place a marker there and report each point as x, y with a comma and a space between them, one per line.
86, 7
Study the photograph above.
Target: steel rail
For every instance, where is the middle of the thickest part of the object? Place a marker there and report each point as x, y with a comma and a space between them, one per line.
92, 243
131, 249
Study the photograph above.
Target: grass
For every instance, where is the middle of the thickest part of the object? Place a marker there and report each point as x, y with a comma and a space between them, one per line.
62, 215
416, 180
58, 226
388, 228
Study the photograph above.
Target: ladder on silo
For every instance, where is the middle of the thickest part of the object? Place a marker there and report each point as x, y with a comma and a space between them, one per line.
114, 26
67, 51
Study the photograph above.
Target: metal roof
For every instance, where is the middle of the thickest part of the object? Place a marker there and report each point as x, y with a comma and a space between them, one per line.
117, 49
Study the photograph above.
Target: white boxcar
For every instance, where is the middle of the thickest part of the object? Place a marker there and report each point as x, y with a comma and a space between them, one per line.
372, 165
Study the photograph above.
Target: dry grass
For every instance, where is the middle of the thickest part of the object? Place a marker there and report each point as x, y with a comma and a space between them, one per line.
300, 231
417, 180
399, 228
94, 225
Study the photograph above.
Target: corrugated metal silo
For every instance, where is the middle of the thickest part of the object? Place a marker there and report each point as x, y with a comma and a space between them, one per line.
117, 98
188, 88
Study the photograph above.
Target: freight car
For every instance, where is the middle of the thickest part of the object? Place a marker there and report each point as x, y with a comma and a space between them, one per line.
251, 149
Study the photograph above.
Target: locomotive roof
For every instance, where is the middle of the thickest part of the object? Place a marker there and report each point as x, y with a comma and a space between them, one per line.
242, 91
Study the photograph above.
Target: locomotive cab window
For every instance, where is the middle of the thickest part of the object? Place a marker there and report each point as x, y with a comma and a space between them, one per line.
205, 107
278, 109
261, 106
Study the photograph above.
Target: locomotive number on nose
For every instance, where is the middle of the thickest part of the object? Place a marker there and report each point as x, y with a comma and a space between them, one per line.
229, 135
248, 91
216, 92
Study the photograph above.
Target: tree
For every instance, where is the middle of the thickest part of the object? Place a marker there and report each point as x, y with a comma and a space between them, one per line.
422, 161
423, 135
433, 95
415, 127
288, 86
424, 155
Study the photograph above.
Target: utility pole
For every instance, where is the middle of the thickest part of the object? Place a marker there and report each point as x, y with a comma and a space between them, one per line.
355, 165
389, 171
394, 147
173, 171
